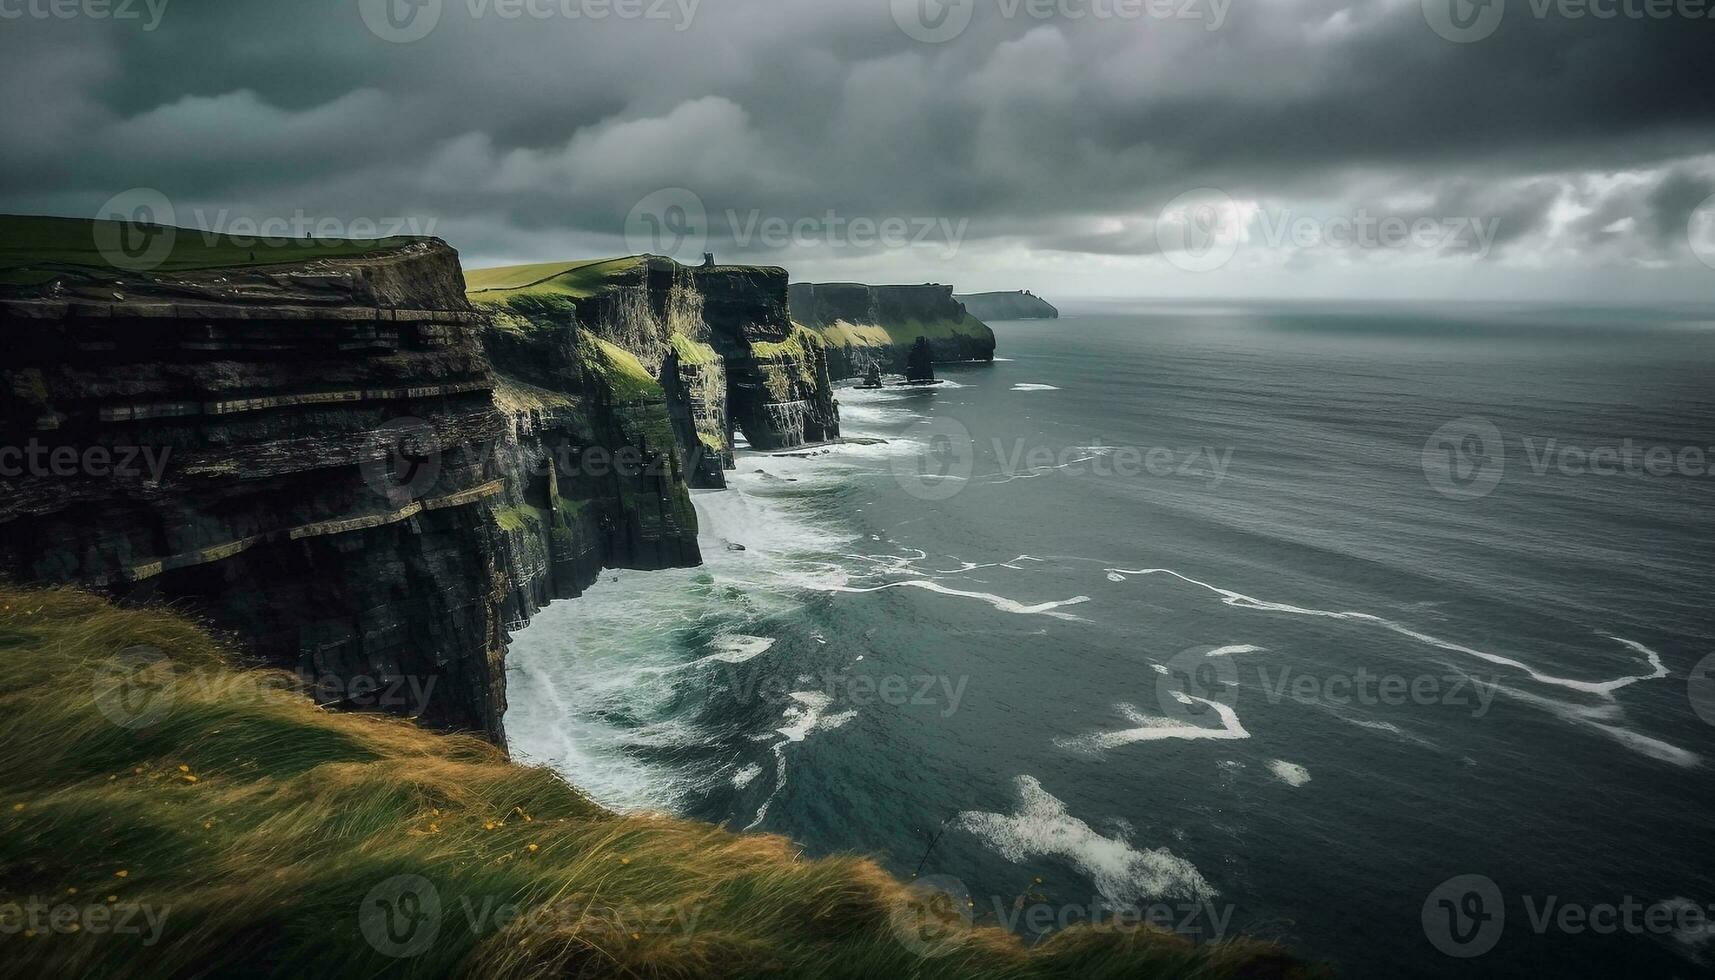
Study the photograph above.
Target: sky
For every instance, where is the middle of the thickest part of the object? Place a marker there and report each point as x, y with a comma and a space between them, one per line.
1537, 150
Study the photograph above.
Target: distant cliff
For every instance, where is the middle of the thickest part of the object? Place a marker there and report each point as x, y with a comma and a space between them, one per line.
364, 475
1020, 305
861, 325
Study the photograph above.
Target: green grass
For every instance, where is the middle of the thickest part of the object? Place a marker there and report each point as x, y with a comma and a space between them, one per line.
625, 375
902, 333
34, 249
262, 832
503, 285
691, 351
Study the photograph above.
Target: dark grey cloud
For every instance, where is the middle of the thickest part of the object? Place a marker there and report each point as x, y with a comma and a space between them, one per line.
1589, 141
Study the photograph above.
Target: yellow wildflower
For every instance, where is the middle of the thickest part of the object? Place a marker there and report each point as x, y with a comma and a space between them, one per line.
489, 825
16, 807
532, 848
122, 873
184, 768
636, 935
71, 891
112, 898
624, 860
188, 778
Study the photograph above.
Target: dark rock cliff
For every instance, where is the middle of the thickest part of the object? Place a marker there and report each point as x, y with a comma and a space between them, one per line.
364, 477
1018, 305
321, 481
861, 325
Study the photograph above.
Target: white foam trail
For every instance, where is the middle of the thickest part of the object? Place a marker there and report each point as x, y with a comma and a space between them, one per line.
1034, 387
1153, 729
742, 778
808, 715
1042, 827
1603, 688
1001, 603
1598, 718
1235, 648
1289, 773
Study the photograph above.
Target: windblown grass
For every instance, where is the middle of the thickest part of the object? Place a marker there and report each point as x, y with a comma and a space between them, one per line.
268, 836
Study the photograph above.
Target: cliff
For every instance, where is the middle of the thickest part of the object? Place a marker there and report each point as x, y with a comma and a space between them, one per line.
327, 450
861, 325
1020, 305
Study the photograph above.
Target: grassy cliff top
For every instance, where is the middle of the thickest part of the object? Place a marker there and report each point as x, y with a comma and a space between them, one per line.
36, 248
899, 332
578, 280
153, 779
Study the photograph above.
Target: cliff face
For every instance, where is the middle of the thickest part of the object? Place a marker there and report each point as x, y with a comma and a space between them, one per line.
862, 325
367, 478
1020, 305
295, 451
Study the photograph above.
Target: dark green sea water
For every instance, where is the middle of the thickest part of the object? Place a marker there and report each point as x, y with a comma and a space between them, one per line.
1269, 620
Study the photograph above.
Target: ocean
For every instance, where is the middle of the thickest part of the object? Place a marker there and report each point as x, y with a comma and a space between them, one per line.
1377, 630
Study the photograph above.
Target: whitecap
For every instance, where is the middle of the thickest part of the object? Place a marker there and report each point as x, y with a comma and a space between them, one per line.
1235, 648
1041, 827
1289, 773
1034, 387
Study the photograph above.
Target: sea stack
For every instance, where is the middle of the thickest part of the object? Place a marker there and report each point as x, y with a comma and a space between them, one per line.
920, 363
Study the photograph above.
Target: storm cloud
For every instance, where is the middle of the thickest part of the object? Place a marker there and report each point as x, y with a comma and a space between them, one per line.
990, 143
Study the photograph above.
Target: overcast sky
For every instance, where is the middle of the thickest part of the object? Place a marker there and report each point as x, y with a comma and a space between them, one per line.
1372, 148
